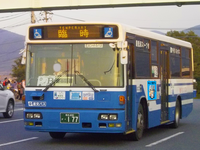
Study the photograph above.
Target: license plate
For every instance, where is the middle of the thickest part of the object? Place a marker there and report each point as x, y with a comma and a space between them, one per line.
69, 118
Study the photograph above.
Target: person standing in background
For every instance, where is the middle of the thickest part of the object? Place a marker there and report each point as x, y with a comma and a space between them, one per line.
23, 85
5, 82
20, 91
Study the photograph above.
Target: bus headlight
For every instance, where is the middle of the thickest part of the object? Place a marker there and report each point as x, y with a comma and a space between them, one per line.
37, 116
29, 115
113, 117
107, 117
104, 117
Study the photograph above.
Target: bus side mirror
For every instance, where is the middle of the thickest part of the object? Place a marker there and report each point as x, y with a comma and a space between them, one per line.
123, 52
23, 61
124, 56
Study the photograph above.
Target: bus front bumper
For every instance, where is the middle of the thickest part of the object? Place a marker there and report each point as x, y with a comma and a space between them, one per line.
80, 121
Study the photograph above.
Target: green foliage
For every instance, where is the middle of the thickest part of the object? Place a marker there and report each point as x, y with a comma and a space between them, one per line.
191, 37
18, 70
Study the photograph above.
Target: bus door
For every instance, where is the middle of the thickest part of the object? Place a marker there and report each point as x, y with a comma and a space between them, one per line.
164, 65
129, 89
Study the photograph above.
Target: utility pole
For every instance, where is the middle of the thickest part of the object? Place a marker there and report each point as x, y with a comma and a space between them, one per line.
23, 51
33, 20
46, 19
45, 16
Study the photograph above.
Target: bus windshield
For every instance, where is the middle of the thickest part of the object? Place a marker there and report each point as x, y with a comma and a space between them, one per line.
98, 63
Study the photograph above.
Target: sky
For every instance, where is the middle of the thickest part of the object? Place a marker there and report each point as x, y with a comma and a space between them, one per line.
157, 18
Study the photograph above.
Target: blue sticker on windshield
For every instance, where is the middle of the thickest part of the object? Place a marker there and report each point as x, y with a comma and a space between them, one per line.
37, 33
108, 32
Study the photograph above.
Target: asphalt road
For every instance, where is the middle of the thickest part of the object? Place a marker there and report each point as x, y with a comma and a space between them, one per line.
187, 137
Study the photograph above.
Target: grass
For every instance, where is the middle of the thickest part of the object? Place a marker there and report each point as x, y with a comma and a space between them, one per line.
197, 97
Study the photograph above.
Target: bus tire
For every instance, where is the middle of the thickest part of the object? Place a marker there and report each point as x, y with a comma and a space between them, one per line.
137, 135
57, 135
9, 110
176, 121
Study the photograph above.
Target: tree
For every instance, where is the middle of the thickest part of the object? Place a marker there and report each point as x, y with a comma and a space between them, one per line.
18, 70
191, 37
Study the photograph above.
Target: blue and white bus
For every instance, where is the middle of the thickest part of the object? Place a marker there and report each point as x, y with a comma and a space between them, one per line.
105, 78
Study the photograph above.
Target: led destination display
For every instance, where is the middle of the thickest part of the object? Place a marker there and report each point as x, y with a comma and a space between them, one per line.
59, 32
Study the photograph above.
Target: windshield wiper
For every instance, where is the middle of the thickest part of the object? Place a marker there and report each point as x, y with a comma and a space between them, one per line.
54, 82
86, 81
110, 68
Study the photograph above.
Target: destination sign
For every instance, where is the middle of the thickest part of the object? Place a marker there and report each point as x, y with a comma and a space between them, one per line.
70, 32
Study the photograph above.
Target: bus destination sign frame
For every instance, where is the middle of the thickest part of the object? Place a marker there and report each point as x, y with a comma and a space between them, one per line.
73, 32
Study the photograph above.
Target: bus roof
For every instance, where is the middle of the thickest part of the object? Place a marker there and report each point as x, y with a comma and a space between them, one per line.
155, 36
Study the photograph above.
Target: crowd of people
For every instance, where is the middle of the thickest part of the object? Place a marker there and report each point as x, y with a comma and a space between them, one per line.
16, 87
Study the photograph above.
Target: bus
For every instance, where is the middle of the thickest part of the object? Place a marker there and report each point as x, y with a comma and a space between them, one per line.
101, 77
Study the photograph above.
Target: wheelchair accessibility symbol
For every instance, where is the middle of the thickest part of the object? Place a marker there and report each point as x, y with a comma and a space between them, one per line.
37, 33
108, 32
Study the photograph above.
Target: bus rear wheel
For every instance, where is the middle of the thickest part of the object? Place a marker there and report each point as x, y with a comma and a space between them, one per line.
57, 135
176, 121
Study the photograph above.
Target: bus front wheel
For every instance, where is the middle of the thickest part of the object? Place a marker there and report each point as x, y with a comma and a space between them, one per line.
137, 135
57, 135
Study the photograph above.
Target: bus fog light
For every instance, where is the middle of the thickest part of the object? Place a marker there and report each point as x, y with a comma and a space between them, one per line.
112, 117
111, 125
30, 123
118, 125
104, 117
29, 115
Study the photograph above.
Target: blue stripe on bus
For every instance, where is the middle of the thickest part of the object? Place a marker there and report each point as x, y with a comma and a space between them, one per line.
179, 84
184, 96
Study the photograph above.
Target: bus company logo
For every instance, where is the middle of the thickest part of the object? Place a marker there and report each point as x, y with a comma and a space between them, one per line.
37, 104
175, 50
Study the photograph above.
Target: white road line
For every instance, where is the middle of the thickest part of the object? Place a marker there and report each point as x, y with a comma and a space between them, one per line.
165, 139
18, 109
11, 120
18, 141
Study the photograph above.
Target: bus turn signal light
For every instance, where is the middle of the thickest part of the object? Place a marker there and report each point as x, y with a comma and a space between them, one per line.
121, 100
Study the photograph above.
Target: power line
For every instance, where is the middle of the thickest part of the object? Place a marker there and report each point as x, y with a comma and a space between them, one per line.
10, 52
15, 26
13, 17
12, 59
21, 21
9, 16
156, 28
12, 42
152, 28
69, 18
